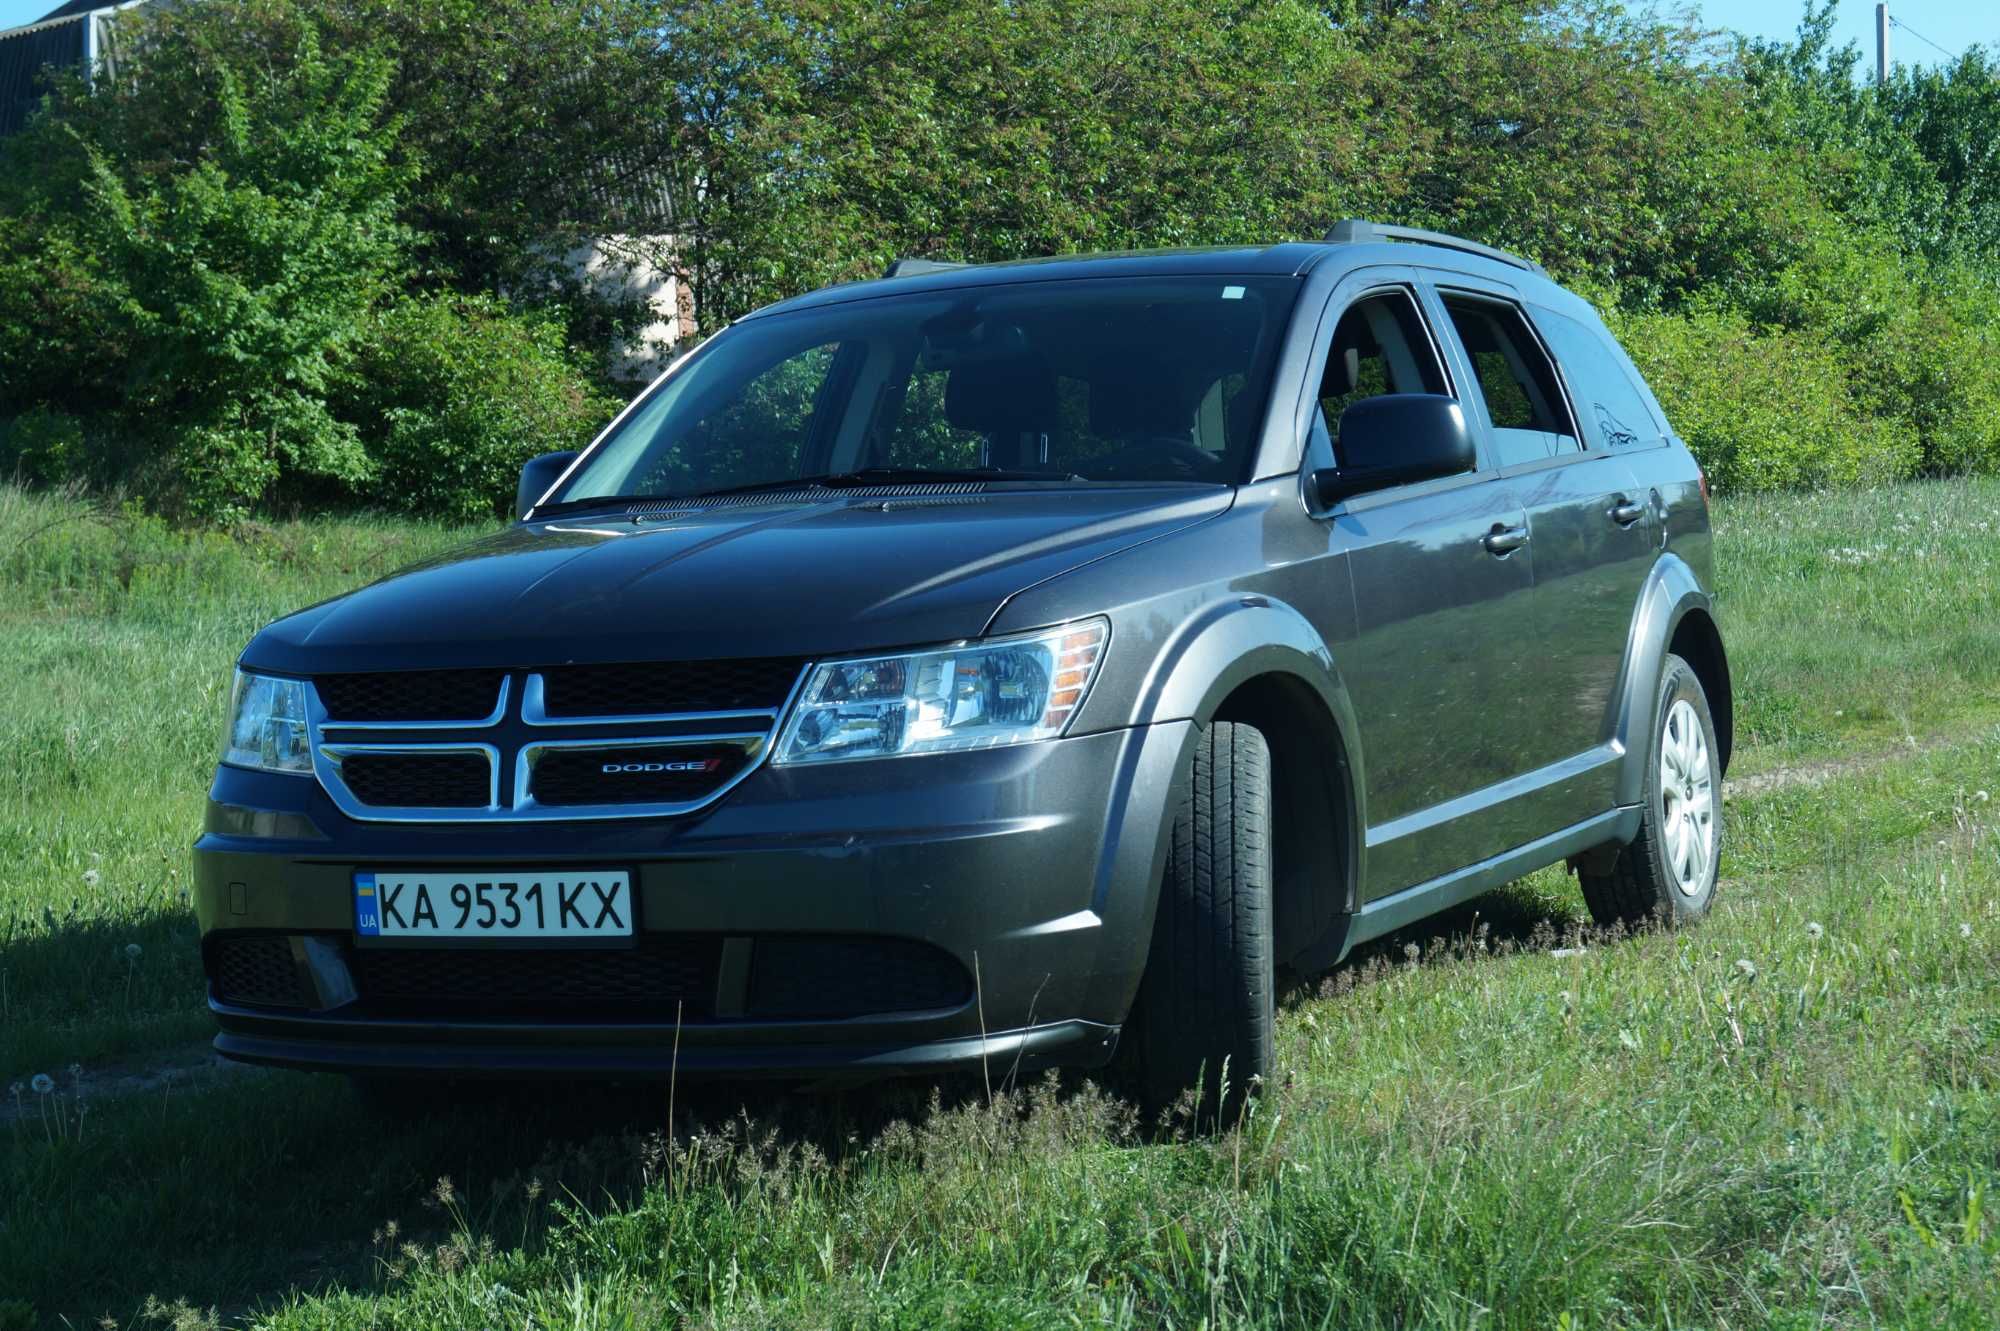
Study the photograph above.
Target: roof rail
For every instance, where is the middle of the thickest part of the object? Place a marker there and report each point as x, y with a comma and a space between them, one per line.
1355, 231
918, 267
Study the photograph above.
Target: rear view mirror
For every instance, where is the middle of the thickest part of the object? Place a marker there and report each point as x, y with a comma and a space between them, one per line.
536, 478
1396, 439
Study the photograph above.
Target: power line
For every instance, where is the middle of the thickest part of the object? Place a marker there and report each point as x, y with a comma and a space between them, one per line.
1898, 23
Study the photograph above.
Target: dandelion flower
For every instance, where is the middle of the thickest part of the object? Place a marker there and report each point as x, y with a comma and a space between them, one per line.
41, 1083
133, 951
1813, 931
90, 877
1748, 968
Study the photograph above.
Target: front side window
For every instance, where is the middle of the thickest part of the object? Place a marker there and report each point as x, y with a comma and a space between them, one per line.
1516, 378
1116, 379
1379, 346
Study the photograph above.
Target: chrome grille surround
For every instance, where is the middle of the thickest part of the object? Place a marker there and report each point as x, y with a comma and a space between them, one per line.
514, 737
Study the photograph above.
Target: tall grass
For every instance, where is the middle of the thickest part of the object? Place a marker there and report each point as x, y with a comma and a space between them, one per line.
1785, 1117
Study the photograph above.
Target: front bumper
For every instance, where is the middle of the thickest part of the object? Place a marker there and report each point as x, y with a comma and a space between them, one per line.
1033, 868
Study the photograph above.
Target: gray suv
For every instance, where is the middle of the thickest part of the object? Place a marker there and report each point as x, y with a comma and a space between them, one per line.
1028, 663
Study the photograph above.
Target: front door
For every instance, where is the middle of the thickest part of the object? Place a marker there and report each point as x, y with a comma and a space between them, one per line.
1439, 570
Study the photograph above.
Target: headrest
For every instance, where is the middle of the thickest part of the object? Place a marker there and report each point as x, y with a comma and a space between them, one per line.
1343, 370
1015, 395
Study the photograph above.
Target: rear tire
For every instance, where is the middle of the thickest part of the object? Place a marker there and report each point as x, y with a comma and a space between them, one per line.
1668, 873
1204, 1014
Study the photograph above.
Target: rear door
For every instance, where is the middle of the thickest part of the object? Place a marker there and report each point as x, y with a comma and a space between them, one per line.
1592, 530
1438, 709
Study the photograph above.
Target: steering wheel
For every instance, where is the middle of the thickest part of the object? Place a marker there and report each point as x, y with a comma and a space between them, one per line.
1156, 453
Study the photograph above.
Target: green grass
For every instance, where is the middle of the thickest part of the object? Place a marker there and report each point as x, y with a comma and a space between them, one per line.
1786, 1117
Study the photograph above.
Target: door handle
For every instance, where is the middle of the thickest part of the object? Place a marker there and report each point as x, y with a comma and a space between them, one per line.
1624, 512
1504, 540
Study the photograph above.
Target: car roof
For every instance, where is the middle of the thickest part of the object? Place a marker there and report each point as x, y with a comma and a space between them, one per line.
1283, 259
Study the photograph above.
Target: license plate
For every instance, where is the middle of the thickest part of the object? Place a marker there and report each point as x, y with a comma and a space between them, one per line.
493, 903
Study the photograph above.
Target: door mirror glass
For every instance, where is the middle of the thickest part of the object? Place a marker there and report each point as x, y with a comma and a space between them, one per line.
536, 478
1396, 439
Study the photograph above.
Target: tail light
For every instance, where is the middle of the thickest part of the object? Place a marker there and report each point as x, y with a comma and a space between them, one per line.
1702, 477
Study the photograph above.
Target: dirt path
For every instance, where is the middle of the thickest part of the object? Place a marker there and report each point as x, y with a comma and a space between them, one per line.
191, 1068
1819, 773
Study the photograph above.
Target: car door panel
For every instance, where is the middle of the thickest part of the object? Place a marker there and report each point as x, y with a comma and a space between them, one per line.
1436, 707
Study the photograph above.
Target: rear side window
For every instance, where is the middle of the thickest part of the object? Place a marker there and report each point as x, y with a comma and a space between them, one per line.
1516, 378
1613, 409
1379, 346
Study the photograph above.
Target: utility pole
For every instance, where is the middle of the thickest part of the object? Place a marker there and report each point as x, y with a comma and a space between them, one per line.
1881, 44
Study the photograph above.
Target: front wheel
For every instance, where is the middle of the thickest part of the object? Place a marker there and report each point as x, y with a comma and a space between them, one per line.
1204, 1017
1668, 872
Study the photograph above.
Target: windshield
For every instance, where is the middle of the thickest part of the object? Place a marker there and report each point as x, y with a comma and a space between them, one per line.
1147, 379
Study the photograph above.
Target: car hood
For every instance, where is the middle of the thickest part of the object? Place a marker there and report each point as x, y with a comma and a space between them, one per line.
781, 579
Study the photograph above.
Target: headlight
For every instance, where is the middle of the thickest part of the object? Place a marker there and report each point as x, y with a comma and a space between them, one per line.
975, 696
266, 728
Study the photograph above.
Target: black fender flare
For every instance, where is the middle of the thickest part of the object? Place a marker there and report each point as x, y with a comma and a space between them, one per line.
1228, 643
1672, 591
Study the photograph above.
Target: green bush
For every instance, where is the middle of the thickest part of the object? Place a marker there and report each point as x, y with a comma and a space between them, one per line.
453, 394
1762, 409
199, 308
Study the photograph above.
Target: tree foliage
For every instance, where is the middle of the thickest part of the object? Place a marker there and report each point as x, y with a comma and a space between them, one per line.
311, 251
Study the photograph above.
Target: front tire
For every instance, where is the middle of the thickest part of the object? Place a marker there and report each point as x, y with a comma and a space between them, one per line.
1668, 872
1204, 1017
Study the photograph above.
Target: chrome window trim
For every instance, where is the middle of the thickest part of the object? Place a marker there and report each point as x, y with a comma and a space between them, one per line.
491, 719
534, 712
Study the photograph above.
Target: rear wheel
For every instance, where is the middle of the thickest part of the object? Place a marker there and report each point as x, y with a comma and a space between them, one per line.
1203, 1018
1668, 872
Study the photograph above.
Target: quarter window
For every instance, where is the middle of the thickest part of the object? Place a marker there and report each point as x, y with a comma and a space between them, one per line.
1516, 378
1599, 382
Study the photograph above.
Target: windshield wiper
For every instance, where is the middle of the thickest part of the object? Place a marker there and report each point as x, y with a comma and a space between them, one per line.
832, 480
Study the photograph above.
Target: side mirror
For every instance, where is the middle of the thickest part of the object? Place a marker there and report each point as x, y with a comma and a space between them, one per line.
1396, 439
536, 478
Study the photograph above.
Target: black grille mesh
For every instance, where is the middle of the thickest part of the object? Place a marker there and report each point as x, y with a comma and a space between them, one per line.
419, 780
828, 978
660, 976
411, 695
577, 776
256, 972
757, 684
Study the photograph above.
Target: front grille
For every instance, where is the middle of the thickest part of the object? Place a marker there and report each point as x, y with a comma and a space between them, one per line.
256, 972
663, 977
805, 978
651, 689
411, 695
578, 776
419, 780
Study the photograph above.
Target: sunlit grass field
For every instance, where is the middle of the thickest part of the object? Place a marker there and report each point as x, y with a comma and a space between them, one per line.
1786, 1117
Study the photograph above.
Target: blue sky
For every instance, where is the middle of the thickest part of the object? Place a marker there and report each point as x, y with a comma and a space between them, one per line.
1952, 24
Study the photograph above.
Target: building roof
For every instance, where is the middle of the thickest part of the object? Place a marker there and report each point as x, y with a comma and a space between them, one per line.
58, 39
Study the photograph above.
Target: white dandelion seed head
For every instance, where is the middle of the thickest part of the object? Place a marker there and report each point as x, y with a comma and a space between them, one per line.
91, 877
1813, 930
1748, 967
14, 1088
1568, 998
41, 1083
1981, 796
133, 951
1965, 931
